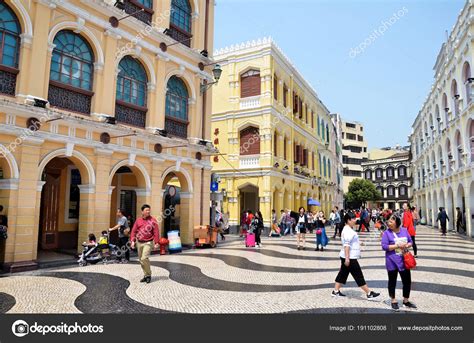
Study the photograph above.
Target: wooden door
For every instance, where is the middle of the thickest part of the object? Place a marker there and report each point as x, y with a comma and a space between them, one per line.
49, 213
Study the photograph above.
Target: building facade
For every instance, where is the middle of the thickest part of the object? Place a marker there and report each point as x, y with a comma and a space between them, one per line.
354, 151
442, 137
275, 135
389, 170
337, 124
95, 117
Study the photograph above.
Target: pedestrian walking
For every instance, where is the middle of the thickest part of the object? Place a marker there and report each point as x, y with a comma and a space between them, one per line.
395, 241
123, 234
301, 227
337, 221
443, 220
321, 237
349, 255
415, 215
409, 225
459, 220
364, 220
145, 231
257, 227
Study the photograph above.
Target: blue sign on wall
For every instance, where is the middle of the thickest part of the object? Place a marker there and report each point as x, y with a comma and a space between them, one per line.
214, 186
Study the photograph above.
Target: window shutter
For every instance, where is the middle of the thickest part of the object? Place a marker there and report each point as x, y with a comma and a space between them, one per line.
297, 154
300, 108
275, 144
275, 87
285, 95
249, 141
284, 148
250, 84
295, 103
305, 157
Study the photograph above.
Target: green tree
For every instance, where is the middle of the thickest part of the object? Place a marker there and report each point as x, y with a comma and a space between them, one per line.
361, 191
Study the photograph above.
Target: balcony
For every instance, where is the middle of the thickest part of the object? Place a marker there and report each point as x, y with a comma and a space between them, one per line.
251, 161
8, 80
130, 114
250, 102
179, 35
176, 127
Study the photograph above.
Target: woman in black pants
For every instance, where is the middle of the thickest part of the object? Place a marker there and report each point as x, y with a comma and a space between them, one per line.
349, 255
258, 227
394, 241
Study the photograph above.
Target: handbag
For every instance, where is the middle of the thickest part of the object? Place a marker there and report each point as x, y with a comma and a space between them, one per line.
319, 231
409, 260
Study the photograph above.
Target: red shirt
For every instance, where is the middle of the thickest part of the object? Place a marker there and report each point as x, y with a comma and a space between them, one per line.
145, 230
408, 223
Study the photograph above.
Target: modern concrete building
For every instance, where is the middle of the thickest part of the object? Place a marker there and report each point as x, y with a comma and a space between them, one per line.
390, 172
354, 151
95, 117
275, 135
442, 138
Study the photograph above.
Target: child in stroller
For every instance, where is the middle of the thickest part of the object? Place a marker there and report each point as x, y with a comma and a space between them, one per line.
94, 252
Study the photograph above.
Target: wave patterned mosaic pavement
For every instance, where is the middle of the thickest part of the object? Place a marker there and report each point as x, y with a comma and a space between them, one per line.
277, 278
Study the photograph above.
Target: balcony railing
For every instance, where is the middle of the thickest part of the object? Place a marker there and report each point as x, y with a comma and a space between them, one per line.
132, 6
8, 81
131, 115
176, 127
251, 102
250, 161
179, 35
69, 98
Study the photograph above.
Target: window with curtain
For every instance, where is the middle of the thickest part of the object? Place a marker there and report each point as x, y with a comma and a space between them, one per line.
181, 15
177, 97
72, 61
132, 82
10, 31
130, 107
71, 73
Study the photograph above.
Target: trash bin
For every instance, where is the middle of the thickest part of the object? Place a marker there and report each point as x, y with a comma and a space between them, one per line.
174, 245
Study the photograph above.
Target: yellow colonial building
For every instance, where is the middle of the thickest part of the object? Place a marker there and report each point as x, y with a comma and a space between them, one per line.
101, 110
275, 136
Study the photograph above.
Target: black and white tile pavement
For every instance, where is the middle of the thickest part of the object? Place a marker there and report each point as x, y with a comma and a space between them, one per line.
277, 278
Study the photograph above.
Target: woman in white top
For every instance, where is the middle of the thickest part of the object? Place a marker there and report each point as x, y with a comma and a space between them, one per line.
349, 255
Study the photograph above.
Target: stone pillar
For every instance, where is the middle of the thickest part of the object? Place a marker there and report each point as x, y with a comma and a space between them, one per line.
87, 223
37, 79
103, 190
28, 204
156, 203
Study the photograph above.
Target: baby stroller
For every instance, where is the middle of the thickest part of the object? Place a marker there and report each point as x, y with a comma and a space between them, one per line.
99, 252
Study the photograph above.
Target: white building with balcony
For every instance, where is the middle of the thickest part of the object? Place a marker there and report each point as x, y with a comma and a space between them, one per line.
442, 137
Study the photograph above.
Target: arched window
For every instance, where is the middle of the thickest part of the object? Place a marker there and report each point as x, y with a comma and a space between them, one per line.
455, 97
324, 166
319, 127
250, 83
176, 120
402, 171
329, 168
144, 6
180, 22
368, 174
70, 78
445, 109
438, 119
390, 173
9, 49
323, 130
131, 92
327, 133
378, 174
402, 190
391, 191
320, 166
466, 75
471, 140
250, 141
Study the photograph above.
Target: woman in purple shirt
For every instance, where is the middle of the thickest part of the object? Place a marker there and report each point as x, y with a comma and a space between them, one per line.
394, 241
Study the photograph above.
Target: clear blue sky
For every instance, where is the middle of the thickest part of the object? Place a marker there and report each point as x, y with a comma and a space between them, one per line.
384, 86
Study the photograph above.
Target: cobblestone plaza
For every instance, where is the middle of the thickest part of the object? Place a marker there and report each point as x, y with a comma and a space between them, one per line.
233, 279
